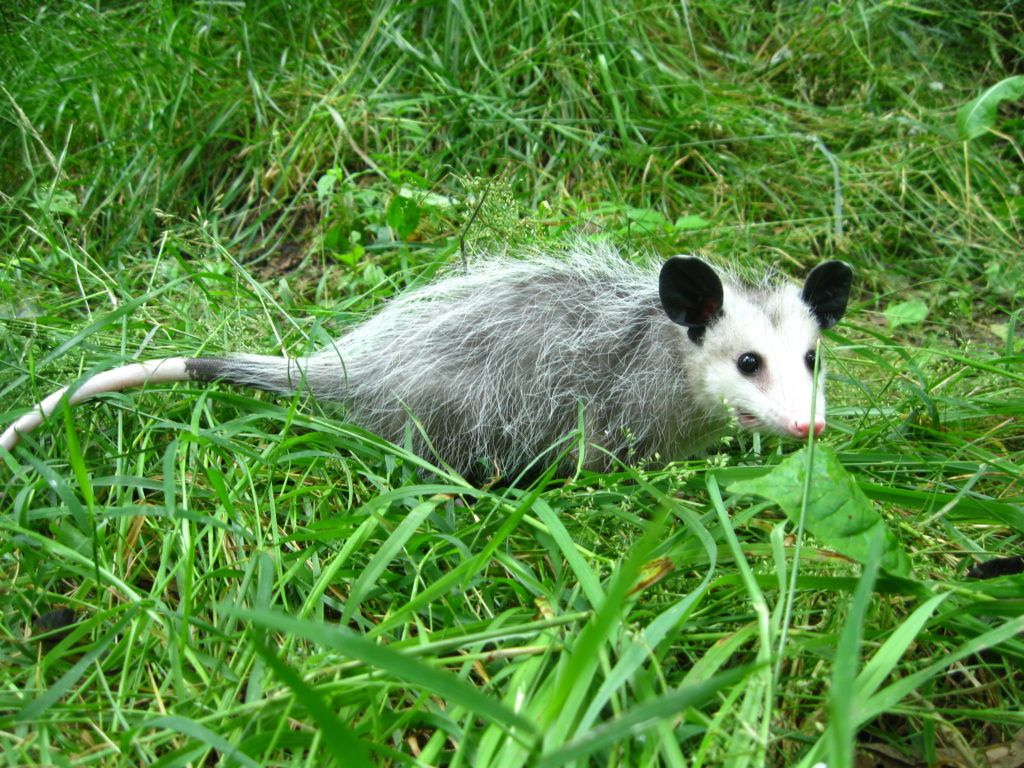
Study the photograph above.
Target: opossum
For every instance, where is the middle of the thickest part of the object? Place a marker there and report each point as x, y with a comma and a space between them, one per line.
488, 370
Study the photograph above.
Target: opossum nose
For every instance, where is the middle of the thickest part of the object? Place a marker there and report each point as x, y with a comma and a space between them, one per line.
801, 429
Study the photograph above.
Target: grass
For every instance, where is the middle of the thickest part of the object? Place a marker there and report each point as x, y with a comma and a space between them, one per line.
254, 582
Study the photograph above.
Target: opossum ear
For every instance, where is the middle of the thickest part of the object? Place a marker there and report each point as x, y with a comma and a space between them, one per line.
827, 290
691, 294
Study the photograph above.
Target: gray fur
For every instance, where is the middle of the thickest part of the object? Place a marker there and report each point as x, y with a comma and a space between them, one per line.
489, 369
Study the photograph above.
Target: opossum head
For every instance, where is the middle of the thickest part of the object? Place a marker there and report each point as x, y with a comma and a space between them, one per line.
755, 349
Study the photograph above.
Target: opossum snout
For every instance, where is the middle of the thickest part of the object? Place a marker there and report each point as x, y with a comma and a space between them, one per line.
801, 429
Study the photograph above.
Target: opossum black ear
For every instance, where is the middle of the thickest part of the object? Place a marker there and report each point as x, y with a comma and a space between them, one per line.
827, 290
691, 294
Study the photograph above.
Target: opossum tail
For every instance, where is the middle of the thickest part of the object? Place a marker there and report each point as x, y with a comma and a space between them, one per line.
274, 374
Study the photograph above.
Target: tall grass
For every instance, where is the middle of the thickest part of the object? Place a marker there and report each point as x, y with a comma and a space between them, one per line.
249, 581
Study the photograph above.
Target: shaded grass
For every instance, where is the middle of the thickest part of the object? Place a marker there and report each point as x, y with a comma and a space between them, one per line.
256, 583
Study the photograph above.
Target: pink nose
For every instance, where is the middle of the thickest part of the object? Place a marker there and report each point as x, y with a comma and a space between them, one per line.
800, 429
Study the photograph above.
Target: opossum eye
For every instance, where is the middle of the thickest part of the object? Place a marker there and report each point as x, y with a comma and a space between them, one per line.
809, 359
748, 363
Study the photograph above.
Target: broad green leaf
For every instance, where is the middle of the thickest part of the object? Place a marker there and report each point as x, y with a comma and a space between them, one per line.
977, 116
691, 221
906, 313
60, 202
648, 218
403, 216
325, 186
837, 512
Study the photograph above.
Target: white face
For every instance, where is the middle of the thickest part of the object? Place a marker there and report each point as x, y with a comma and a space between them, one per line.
759, 358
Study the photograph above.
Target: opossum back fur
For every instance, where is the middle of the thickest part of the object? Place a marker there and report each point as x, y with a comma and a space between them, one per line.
502, 363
